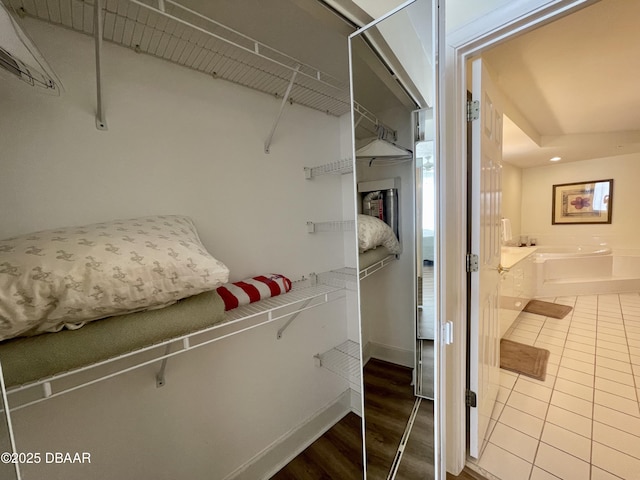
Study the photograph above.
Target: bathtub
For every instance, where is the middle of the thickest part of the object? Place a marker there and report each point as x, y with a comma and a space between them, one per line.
543, 253
585, 270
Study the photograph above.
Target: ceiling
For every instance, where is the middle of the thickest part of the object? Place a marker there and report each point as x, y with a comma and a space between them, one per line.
571, 86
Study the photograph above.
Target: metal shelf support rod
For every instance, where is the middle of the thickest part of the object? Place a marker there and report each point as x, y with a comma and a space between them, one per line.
293, 317
267, 143
160, 380
101, 123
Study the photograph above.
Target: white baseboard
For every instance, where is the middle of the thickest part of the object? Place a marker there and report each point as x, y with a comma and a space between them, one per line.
270, 460
356, 402
396, 355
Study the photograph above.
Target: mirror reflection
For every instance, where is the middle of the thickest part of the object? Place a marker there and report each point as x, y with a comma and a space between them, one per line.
395, 178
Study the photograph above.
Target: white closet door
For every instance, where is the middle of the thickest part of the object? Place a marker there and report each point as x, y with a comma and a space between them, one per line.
486, 147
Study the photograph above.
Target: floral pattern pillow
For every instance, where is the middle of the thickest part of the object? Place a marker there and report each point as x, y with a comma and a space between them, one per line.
373, 232
69, 276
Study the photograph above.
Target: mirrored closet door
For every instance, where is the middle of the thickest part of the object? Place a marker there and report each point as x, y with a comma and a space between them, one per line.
392, 76
9, 463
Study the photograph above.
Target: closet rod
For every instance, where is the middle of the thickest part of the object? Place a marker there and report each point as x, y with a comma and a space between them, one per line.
101, 123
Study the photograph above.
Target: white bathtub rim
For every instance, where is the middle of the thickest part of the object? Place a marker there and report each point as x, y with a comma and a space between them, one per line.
576, 251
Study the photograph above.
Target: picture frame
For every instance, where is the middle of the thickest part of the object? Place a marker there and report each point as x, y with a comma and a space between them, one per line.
582, 202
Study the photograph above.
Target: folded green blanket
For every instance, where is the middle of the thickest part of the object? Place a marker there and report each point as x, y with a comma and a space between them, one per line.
28, 359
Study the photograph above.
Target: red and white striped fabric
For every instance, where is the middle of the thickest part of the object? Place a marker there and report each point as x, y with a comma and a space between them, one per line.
253, 289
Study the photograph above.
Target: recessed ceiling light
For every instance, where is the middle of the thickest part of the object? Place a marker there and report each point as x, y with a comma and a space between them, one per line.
555, 159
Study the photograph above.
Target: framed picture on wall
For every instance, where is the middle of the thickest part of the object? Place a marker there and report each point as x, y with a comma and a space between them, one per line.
582, 202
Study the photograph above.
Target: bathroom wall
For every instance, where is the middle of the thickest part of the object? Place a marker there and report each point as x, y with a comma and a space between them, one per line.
622, 233
512, 198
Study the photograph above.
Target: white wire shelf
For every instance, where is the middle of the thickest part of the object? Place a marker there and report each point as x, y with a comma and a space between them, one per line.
339, 167
304, 295
168, 30
365, 272
345, 278
332, 226
343, 360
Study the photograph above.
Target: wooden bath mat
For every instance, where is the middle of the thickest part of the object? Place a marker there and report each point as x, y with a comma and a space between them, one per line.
548, 309
525, 359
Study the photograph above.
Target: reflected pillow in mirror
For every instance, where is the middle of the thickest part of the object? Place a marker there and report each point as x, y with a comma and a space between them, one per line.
373, 232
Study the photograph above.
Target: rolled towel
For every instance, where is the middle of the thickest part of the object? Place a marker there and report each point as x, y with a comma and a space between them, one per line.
253, 289
506, 230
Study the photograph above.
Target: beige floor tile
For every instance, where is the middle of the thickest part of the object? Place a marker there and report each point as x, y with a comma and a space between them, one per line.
508, 379
615, 462
588, 358
575, 389
522, 422
599, 474
617, 439
567, 441
621, 339
560, 463
611, 345
616, 388
569, 421
616, 419
504, 464
576, 376
614, 364
621, 404
580, 347
536, 391
578, 365
514, 441
615, 375
527, 404
538, 474
573, 404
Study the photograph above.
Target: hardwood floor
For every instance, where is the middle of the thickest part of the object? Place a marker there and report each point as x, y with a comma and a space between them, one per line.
466, 474
335, 455
389, 400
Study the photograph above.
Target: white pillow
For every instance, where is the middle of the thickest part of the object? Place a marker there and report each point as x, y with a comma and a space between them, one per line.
69, 276
373, 232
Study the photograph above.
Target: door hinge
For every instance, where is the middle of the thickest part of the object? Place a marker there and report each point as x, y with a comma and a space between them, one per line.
472, 262
473, 110
447, 333
470, 399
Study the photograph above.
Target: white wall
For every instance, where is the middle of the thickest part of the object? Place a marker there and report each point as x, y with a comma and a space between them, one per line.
537, 184
461, 12
178, 142
512, 198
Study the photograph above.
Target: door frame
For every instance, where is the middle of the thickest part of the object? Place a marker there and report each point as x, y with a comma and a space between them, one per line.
460, 45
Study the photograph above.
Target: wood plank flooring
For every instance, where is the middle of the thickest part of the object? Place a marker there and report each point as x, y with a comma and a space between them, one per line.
335, 455
418, 459
467, 474
389, 400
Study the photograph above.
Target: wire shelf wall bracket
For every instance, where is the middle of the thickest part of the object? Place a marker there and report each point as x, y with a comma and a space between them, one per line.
339, 167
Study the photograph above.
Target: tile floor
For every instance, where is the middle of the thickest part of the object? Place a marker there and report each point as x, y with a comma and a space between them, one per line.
583, 421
